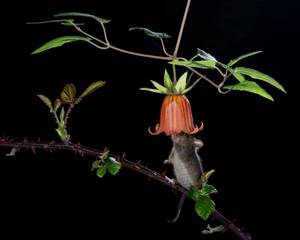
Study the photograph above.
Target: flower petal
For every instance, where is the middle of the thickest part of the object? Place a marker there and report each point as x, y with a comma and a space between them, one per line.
176, 117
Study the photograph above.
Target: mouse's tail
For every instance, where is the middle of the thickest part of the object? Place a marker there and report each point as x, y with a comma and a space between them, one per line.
178, 210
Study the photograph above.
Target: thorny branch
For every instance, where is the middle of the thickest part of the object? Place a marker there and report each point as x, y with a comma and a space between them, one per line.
134, 166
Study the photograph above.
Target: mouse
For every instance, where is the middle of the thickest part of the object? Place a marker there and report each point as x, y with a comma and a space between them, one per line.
187, 164
184, 157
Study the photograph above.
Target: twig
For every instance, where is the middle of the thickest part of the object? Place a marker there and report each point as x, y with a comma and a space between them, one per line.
83, 150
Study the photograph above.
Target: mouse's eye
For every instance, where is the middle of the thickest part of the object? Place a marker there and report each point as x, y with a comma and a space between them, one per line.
176, 117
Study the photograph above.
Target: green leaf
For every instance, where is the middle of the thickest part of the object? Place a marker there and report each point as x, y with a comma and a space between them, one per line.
101, 171
57, 104
238, 76
46, 101
151, 33
105, 154
65, 22
61, 130
204, 207
12, 153
93, 87
181, 83
203, 64
191, 86
234, 61
68, 93
113, 166
167, 80
206, 175
58, 42
95, 165
208, 189
159, 87
52, 21
151, 90
205, 55
259, 76
194, 193
62, 133
223, 65
72, 23
78, 14
62, 116
250, 86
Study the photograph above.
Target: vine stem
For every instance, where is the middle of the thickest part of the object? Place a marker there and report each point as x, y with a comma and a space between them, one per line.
175, 53
134, 166
181, 28
107, 45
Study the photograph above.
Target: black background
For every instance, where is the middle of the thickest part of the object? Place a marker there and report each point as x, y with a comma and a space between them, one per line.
249, 141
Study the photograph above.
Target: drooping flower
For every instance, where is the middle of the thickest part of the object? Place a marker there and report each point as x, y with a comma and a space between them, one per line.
176, 117
176, 113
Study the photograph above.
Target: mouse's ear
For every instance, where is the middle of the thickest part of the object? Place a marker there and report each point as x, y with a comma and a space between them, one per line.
198, 143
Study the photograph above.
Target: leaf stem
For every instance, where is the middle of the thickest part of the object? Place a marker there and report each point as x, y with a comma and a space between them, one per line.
70, 108
221, 84
194, 57
97, 46
104, 34
164, 48
54, 114
219, 70
203, 76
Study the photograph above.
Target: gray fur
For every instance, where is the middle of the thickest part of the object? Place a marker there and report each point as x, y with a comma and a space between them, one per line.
186, 162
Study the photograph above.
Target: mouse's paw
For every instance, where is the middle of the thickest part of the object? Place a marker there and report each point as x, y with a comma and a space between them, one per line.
167, 161
170, 180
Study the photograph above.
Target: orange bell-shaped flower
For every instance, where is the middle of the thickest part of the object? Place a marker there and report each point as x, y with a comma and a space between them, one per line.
176, 117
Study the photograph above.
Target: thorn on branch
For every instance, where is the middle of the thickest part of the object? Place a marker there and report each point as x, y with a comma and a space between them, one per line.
33, 150
163, 174
122, 157
81, 153
137, 166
